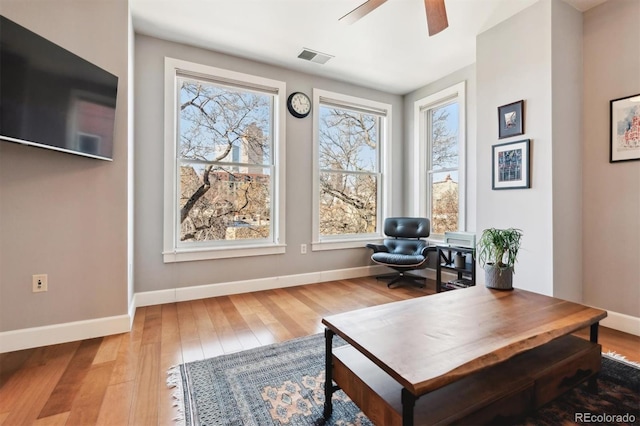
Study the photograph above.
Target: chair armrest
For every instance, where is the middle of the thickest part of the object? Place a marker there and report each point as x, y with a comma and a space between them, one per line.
426, 250
377, 247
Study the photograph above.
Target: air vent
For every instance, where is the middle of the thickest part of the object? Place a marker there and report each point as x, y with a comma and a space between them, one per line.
313, 56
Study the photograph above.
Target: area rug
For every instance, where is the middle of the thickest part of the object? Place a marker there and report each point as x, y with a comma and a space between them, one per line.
283, 384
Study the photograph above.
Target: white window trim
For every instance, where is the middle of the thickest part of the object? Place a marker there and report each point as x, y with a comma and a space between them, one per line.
384, 187
420, 144
171, 252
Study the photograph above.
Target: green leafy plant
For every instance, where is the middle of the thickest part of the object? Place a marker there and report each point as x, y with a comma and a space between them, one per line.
499, 247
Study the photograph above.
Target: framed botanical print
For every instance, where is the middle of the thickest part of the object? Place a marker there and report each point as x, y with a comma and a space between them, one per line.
624, 129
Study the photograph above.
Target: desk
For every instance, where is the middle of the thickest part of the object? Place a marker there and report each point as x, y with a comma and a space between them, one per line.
469, 356
446, 261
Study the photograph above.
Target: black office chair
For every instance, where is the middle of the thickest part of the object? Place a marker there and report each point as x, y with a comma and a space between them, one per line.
404, 249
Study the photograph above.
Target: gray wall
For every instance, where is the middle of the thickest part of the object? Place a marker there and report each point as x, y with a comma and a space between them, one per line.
581, 217
150, 271
60, 214
566, 149
513, 62
611, 192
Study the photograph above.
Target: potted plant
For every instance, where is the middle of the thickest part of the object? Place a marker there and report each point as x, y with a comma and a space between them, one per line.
497, 251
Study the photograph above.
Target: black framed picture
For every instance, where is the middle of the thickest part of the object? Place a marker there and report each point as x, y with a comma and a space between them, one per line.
511, 119
624, 124
510, 167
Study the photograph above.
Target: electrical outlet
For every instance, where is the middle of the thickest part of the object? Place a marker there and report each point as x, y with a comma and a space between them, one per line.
303, 248
39, 282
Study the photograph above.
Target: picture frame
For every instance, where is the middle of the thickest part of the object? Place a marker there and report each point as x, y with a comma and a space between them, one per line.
511, 165
511, 119
624, 129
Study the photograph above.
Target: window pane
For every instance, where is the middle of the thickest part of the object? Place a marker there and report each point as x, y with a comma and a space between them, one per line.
224, 203
444, 136
348, 203
444, 202
348, 140
223, 124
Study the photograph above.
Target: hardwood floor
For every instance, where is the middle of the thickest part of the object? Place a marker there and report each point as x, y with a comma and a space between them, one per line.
120, 379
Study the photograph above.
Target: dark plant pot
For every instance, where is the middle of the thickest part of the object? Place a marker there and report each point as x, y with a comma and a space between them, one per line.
498, 278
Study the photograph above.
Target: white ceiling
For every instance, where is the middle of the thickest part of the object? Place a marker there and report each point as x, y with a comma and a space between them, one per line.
389, 49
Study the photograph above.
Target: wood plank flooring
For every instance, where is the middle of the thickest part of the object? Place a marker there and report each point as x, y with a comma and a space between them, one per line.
121, 379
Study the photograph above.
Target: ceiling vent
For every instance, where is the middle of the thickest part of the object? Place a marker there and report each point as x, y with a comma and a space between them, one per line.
313, 56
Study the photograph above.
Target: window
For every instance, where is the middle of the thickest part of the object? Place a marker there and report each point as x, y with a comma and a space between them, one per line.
224, 139
440, 159
350, 177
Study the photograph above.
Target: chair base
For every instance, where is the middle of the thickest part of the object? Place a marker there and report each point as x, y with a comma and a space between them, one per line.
403, 276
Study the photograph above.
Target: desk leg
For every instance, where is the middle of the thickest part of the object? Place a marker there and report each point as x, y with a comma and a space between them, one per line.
408, 404
328, 377
593, 336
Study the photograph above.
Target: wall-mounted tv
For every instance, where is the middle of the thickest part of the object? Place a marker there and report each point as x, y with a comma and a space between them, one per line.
52, 98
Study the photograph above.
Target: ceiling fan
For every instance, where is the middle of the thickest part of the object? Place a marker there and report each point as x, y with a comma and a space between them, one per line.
436, 14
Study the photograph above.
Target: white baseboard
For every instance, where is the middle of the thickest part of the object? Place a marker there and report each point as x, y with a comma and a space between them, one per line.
16, 340
149, 298
622, 322
67, 332
132, 311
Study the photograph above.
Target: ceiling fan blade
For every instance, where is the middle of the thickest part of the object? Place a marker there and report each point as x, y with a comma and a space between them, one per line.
361, 11
436, 16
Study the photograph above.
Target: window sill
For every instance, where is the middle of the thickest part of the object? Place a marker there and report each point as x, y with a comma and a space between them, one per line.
340, 245
189, 255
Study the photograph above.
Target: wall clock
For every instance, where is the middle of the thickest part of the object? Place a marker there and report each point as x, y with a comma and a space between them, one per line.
299, 104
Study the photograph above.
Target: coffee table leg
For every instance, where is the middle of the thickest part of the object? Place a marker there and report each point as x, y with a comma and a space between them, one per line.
408, 403
594, 332
593, 336
328, 379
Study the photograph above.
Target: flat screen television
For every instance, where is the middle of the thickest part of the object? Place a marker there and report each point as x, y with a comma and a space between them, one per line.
52, 98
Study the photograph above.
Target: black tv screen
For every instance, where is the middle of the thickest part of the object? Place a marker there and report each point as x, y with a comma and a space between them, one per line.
52, 98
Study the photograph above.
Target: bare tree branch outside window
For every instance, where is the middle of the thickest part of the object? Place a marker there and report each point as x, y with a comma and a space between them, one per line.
444, 137
348, 148
224, 153
445, 165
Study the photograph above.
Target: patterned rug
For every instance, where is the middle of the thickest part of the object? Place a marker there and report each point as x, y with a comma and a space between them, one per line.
283, 384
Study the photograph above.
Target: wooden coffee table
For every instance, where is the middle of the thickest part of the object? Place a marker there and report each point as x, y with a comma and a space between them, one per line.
474, 355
